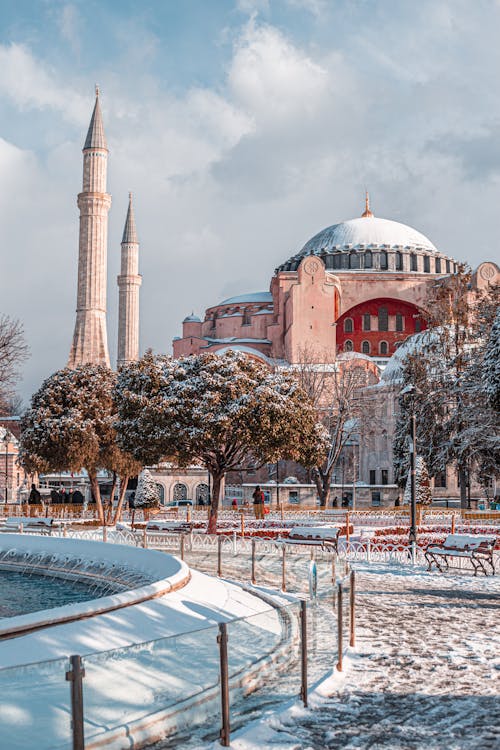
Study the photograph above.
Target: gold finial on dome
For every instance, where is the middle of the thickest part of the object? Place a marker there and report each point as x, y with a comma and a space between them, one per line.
367, 213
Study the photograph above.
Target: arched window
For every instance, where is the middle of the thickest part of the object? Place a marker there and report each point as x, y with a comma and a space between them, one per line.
447, 266
337, 260
413, 262
368, 259
353, 260
399, 261
160, 490
348, 346
418, 325
427, 264
383, 319
365, 347
348, 325
438, 265
201, 494
384, 348
383, 260
180, 491
399, 322
246, 317
367, 322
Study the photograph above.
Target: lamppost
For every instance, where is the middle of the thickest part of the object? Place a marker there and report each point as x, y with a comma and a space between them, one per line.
410, 390
6, 441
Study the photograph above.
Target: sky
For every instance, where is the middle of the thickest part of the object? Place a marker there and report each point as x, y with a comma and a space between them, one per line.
242, 128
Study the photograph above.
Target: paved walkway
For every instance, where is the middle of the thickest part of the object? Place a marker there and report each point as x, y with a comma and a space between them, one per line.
426, 673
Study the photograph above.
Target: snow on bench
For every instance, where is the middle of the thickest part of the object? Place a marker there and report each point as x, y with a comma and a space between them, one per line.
170, 527
26, 523
474, 547
315, 535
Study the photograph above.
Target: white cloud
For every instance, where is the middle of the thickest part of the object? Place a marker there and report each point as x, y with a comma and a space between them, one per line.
272, 79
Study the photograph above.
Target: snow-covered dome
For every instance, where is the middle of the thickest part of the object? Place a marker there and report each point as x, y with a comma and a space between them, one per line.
191, 319
368, 231
254, 297
374, 244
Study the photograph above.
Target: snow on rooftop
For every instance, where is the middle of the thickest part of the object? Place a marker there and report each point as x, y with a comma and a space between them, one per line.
252, 297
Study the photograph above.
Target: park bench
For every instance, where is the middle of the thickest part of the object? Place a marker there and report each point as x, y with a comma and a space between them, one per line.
169, 527
315, 536
476, 548
15, 523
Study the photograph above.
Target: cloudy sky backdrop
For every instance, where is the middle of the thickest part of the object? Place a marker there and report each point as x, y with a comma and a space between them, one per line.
242, 127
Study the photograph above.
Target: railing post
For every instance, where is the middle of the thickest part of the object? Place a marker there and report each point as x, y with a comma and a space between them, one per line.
253, 560
182, 546
340, 639
334, 569
283, 569
225, 732
453, 523
104, 533
21, 528
347, 527
144, 538
235, 544
219, 555
242, 525
303, 652
75, 675
352, 613
369, 550
188, 513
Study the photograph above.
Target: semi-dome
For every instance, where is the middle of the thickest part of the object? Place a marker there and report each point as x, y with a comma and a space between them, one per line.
191, 319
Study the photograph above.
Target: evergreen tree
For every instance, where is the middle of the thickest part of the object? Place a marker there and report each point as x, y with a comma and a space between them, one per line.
423, 494
70, 426
229, 412
147, 494
491, 368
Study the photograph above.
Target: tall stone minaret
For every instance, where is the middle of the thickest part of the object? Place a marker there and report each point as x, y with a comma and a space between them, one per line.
90, 339
129, 282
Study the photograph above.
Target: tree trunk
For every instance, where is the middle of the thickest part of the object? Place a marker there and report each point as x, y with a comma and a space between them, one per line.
214, 508
94, 486
322, 481
121, 498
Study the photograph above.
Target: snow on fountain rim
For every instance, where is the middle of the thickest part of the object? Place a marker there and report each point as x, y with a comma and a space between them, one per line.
167, 573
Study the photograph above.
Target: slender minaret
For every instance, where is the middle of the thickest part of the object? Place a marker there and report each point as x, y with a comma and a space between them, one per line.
90, 340
129, 282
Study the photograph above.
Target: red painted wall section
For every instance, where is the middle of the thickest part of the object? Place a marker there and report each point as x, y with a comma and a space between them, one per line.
411, 320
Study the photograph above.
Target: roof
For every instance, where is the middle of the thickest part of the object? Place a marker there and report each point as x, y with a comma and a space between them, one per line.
129, 230
191, 319
95, 135
252, 297
367, 231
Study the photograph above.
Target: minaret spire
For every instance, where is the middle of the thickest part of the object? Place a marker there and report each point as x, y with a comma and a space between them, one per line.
90, 339
367, 213
129, 282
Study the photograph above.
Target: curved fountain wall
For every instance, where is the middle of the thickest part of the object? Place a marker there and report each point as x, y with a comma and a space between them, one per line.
129, 574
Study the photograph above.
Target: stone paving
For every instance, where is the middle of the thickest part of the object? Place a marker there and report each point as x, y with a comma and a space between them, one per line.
426, 672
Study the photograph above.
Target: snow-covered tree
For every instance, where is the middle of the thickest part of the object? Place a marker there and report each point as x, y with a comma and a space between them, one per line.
70, 426
491, 365
147, 494
442, 384
229, 412
423, 494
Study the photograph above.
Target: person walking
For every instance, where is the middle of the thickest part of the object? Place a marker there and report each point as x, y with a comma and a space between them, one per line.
258, 502
35, 497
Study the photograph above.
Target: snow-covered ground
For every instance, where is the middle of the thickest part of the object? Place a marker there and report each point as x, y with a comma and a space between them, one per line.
424, 674
126, 685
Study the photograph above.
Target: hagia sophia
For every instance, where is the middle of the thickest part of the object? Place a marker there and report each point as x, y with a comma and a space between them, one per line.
358, 288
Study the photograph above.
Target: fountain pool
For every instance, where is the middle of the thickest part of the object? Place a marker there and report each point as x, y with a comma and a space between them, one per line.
21, 594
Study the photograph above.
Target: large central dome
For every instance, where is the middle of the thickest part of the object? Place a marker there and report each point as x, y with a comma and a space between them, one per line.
374, 244
366, 232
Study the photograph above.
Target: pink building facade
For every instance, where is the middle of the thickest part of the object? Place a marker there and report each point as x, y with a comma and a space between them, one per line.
360, 286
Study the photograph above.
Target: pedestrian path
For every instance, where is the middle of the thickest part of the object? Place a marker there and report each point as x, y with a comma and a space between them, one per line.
425, 673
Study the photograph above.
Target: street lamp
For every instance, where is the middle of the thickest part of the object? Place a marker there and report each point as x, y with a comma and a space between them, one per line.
412, 445
6, 441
